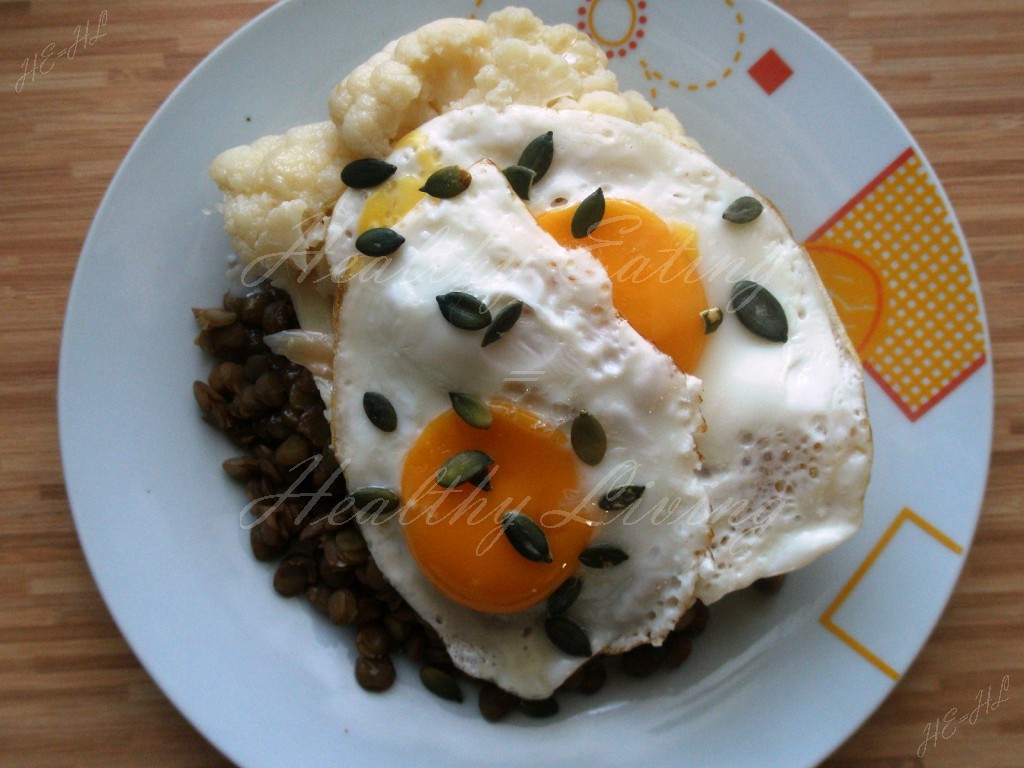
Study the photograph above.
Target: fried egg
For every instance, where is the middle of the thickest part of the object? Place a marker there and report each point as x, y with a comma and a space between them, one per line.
630, 523
787, 450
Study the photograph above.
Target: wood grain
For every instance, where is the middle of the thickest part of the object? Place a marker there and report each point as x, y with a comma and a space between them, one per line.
72, 693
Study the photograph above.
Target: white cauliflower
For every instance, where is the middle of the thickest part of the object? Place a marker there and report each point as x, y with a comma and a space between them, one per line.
280, 190
631, 106
512, 58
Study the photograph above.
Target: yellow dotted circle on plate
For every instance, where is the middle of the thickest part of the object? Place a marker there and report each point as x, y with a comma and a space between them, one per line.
655, 76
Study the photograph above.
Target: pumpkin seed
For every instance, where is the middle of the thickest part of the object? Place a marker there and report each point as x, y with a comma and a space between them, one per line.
538, 155
447, 182
471, 409
375, 501
463, 310
743, 210
621, 497
602, 556
568, 636
526, 537
759, 311
440, 683
379, 241
503, 321
367, 172
588, 214
380, 411
463, 468
538, 707
588, 438
520, 179
561, 599
712, 318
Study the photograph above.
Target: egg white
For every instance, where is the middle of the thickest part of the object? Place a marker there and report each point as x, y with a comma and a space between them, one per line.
568, 351
787, 451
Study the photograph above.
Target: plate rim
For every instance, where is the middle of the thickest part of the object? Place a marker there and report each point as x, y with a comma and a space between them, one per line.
89, 245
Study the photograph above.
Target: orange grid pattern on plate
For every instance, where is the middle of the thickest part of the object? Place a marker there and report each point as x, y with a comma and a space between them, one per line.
898, 274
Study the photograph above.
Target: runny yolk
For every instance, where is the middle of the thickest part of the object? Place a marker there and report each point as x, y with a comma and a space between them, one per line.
455, 534
396, 197
656, 286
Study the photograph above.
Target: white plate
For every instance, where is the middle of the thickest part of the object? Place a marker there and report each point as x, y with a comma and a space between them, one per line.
777, 682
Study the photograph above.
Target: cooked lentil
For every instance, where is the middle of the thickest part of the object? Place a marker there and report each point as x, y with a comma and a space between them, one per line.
373, 641
495, 703
642, 661
539, 707
375, 674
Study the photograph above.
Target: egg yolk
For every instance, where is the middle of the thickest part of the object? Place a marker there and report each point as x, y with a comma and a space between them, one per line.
397, 196
653, 269
455, 534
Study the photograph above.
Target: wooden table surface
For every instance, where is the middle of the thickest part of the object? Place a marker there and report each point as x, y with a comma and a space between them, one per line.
71, 691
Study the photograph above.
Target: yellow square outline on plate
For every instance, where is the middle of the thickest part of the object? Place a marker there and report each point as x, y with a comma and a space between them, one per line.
826, 617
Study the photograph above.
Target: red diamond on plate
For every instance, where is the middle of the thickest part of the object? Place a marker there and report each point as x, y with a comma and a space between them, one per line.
770, 71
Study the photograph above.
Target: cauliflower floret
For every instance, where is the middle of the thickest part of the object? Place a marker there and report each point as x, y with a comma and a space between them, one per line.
278, 192
631, 106
512, 58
